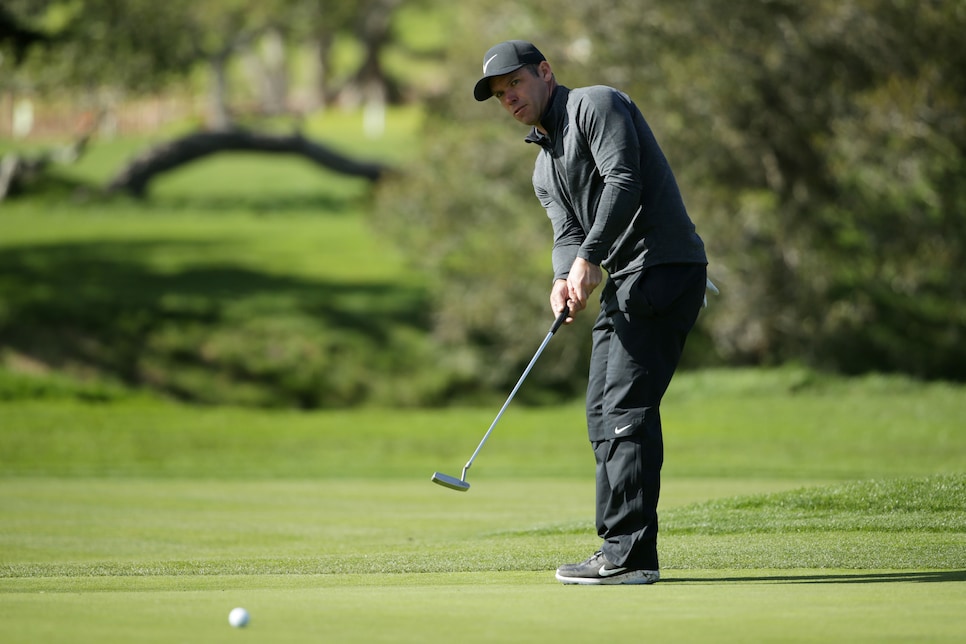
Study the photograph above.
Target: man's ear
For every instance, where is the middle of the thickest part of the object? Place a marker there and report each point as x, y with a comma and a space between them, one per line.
545, 72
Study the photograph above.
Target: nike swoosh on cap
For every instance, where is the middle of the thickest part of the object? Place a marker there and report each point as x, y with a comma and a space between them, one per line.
488, 61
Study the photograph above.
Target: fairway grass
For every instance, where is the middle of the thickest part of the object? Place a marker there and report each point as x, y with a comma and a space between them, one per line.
728, 423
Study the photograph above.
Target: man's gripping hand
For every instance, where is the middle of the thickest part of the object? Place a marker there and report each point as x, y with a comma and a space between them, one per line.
575, 292
559, 298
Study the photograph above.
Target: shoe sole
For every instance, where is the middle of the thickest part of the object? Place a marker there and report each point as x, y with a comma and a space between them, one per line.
631, 578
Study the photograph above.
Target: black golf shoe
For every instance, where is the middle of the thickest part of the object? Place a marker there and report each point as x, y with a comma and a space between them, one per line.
598, 571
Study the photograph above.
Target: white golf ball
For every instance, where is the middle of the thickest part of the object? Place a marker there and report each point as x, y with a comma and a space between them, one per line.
238, 617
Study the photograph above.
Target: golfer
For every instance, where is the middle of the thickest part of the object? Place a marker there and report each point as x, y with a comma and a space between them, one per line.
615, 206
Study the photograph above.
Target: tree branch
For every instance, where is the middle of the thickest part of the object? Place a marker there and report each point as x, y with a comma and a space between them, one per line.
135, 177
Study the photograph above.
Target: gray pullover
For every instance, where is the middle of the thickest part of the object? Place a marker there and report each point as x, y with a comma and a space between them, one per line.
607, 187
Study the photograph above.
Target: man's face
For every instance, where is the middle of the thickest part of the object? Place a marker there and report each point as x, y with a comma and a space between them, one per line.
523, 94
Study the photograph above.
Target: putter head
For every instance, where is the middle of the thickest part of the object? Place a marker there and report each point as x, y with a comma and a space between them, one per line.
451, 482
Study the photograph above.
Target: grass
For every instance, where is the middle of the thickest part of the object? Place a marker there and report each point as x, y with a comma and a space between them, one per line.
240, 281
212, 310
142, 519
932, 504
521, 607
741, 424
796, 507
369, 560
174, 527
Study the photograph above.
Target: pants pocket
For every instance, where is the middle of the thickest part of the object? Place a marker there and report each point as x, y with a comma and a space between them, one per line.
657, 290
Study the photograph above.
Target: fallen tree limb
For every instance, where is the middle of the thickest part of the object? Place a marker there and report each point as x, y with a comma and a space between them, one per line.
135, 177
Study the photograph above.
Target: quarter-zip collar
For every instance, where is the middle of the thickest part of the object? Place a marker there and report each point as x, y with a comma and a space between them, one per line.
554, 118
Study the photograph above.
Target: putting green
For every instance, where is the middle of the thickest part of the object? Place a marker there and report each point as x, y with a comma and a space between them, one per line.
699, 606
121, 560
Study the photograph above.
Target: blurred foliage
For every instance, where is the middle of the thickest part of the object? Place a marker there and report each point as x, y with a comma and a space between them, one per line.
123, 47
137, 45
820, 148
466, 216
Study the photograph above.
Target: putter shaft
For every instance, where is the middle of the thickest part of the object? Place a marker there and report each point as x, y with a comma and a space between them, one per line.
461, 484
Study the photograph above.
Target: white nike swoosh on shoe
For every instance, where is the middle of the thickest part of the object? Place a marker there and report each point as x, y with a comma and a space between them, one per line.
621, 430
610, 572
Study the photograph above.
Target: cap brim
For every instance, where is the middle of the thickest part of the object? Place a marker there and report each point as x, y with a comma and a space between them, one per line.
482, 90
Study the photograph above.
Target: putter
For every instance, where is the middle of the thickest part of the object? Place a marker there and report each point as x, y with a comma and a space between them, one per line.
460, 484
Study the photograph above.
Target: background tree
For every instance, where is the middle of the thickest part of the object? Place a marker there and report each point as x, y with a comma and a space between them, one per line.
137, 45
820, 148
116, 48
826, 143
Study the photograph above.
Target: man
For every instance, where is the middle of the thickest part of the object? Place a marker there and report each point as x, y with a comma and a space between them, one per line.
614, 205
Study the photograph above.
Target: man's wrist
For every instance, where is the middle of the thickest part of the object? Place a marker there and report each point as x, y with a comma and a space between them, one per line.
584, 256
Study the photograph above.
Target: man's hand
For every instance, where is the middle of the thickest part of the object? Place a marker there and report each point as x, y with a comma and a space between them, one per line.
581, 282
559, 298
576, 289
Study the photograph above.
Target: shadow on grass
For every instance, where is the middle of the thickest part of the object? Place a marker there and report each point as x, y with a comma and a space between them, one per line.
835, 578
264, 204
140, 311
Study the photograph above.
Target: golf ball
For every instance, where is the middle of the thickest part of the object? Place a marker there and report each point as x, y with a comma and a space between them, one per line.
238, 617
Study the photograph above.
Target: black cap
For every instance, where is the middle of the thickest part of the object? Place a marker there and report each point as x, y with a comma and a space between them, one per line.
502, 59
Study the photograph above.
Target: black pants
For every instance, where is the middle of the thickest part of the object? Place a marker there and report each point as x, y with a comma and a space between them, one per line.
638, 338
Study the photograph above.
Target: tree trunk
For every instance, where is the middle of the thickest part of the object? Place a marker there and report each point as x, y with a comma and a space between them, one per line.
321, 67
267, 67
135, 177
219, 117
369, 85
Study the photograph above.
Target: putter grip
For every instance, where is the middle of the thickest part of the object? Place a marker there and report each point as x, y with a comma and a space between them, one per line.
560, 319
